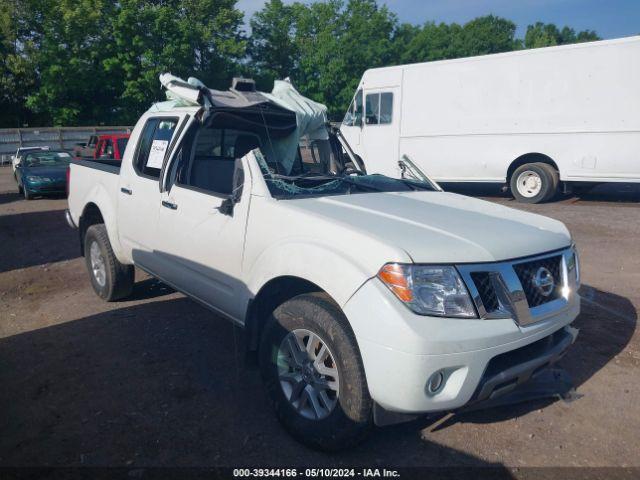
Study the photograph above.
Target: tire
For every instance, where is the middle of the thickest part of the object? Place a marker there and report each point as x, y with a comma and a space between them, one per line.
110, 279
555, 181
534, 182
27, 195
347, 417
20, 189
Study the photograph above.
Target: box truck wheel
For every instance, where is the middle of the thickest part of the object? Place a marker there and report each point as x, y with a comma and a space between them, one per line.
534, 182
110, 279
313, 373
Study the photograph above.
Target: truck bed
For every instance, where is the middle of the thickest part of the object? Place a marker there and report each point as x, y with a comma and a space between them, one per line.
109, 166
94, 182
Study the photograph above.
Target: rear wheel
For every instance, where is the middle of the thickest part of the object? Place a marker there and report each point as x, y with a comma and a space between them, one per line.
534, 182
313, 373
110, 279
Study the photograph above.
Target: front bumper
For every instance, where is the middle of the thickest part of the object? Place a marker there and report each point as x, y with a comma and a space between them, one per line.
508, 370
45, 188
478, 359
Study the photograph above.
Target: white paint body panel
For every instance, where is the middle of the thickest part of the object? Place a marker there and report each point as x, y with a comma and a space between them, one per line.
338, 243
467, 120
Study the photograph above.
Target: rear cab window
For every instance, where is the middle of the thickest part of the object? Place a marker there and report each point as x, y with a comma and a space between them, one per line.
153, 146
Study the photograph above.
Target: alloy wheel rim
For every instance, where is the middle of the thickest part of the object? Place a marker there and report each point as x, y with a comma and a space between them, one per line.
529, 184
97, 264
308, 374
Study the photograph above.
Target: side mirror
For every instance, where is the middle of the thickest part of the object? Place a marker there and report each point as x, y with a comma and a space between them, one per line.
226, 207
228, 204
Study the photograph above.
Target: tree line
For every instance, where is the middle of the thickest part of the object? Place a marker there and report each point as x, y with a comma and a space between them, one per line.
92, 62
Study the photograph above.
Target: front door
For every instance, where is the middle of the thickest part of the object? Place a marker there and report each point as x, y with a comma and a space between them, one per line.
351, 126
201, 245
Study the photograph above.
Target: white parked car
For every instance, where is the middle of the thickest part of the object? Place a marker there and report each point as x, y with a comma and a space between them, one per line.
539, 121
368, 298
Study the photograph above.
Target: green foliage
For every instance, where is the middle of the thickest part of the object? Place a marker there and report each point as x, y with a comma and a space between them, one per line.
75, 62
272, 47
337, 43
198, 38
548, 35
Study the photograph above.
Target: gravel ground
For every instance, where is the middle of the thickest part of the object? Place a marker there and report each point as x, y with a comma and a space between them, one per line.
159, 381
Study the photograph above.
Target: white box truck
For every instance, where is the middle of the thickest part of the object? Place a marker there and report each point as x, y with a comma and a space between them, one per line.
536, 120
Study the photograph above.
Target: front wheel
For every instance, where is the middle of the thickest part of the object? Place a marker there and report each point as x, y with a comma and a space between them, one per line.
534, 183
313, 373
110, 279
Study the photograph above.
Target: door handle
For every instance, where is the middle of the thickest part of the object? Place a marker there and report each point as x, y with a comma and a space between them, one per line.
126, 190
169, 205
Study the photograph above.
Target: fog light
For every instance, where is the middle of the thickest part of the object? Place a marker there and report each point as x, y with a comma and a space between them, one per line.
435, 382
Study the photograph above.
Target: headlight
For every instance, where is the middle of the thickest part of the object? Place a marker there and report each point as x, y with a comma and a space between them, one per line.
33, 179
429, 290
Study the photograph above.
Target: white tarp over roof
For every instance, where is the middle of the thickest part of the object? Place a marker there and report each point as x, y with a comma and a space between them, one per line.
311, 117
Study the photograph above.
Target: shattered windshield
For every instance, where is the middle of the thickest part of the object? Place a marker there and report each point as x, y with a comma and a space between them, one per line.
321, 168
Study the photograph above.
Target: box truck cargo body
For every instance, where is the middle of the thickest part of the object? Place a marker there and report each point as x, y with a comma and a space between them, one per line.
533, 119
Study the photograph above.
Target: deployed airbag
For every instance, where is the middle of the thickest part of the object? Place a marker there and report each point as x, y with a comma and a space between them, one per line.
311, 118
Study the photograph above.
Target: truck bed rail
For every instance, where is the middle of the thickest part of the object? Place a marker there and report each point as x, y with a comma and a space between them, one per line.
109, 166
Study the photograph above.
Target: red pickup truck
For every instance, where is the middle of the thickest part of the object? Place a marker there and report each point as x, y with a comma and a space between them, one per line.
111, 146
106, 147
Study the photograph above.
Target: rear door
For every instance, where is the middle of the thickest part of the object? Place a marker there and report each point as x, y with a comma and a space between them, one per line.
139, 195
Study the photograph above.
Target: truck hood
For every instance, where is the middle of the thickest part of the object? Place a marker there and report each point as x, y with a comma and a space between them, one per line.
440, 227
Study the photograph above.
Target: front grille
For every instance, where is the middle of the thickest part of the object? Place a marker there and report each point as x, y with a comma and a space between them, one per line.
514, 289
526, 272
486, 290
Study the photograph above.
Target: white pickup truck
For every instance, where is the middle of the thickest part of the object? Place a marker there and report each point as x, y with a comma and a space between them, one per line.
365, 297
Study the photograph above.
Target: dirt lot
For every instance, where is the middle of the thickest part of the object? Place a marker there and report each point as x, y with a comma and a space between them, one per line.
159, 381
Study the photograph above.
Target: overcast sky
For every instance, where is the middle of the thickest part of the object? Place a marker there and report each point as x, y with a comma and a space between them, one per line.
610, 18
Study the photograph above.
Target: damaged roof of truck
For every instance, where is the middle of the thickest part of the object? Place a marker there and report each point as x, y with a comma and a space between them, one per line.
284, 113
194, 93
284, 110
